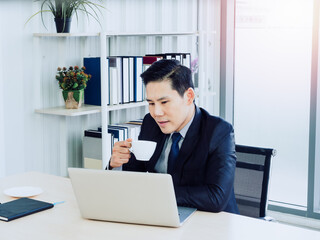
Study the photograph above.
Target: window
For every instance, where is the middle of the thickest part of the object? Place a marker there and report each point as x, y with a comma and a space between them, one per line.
272, 92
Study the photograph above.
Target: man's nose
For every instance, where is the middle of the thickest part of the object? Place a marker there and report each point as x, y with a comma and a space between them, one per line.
158, 110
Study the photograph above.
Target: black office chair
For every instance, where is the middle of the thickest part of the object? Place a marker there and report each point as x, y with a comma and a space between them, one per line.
252, 180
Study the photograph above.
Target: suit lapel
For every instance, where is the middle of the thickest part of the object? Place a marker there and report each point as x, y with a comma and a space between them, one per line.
190, 141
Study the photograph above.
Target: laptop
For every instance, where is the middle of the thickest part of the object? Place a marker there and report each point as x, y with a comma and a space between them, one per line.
129, 197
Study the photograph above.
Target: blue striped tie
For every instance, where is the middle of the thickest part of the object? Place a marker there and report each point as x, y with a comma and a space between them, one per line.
174, 152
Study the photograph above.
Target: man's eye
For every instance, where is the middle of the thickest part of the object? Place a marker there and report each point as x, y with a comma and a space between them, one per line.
164, 102
151, 104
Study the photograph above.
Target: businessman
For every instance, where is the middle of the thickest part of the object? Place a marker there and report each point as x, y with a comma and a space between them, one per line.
197, 149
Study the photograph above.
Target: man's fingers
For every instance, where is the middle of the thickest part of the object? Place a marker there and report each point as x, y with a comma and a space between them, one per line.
120, 153
126, 143
121, 150
118, 162
123, 161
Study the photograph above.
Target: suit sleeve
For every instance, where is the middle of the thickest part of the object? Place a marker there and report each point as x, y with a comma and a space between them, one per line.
214, 194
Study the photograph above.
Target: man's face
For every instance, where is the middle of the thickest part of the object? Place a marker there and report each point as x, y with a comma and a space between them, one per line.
171, 111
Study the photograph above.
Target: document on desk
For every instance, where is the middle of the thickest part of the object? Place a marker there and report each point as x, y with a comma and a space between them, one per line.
22, 207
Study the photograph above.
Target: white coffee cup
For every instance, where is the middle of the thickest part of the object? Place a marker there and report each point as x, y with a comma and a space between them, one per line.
142, 149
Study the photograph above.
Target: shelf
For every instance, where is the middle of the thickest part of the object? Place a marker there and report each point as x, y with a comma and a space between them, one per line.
149, 34
116, 34
62, 111
66, 34
87, 109
127, 106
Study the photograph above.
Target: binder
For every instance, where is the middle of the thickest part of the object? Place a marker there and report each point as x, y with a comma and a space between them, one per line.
115, 64
21, 207
138, 84
136, 122
125, 80
186, 60
149, 59
122, 131
92, 93
133, 130
183, 58
113, 79
93, 133
117, 136
131, 79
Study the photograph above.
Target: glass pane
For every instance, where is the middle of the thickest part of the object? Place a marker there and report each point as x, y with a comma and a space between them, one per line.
317, 145
317, 155
272, 88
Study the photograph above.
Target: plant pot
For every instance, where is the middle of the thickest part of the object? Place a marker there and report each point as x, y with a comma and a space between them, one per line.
73, 98
63, 26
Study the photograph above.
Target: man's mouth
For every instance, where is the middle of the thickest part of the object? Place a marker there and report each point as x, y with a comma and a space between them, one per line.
162, 123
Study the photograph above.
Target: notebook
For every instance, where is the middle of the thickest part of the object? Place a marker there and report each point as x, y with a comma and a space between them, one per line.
21, 207
129, 197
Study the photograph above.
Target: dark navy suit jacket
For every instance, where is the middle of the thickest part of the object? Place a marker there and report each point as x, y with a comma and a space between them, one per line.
204, 172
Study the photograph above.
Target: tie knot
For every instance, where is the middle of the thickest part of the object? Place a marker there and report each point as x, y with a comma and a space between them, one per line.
176, 137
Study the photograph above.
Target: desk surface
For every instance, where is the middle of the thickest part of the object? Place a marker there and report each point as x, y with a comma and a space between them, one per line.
64, 220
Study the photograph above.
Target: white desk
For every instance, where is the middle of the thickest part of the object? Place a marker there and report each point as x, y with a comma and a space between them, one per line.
64, 220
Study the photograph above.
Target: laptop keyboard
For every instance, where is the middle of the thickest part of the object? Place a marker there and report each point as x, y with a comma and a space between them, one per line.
185, 212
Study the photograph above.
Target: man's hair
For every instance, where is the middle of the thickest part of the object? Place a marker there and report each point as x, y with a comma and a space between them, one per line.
179, 75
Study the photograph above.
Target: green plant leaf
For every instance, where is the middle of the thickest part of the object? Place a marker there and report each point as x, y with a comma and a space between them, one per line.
66, 8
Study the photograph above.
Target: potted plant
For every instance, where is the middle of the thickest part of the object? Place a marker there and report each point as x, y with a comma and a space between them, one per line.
63, 11
72, 81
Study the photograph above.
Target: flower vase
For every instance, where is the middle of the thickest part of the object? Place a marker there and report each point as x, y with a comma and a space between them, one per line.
73, 98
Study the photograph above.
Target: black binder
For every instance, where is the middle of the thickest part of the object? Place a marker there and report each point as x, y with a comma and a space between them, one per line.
21, 207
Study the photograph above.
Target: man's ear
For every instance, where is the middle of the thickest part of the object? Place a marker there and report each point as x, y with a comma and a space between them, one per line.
190, 95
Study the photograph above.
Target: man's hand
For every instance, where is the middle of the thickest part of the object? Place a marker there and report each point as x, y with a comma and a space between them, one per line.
120, 153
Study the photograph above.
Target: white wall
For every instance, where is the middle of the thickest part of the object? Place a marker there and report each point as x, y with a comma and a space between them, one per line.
16, 69
32, 141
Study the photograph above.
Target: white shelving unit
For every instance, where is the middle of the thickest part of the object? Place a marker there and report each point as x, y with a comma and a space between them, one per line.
103, 109
62, 111
116, 34
87, 109
66, 34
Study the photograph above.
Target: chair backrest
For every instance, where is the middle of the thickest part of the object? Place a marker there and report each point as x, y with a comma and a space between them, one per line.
252, 179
